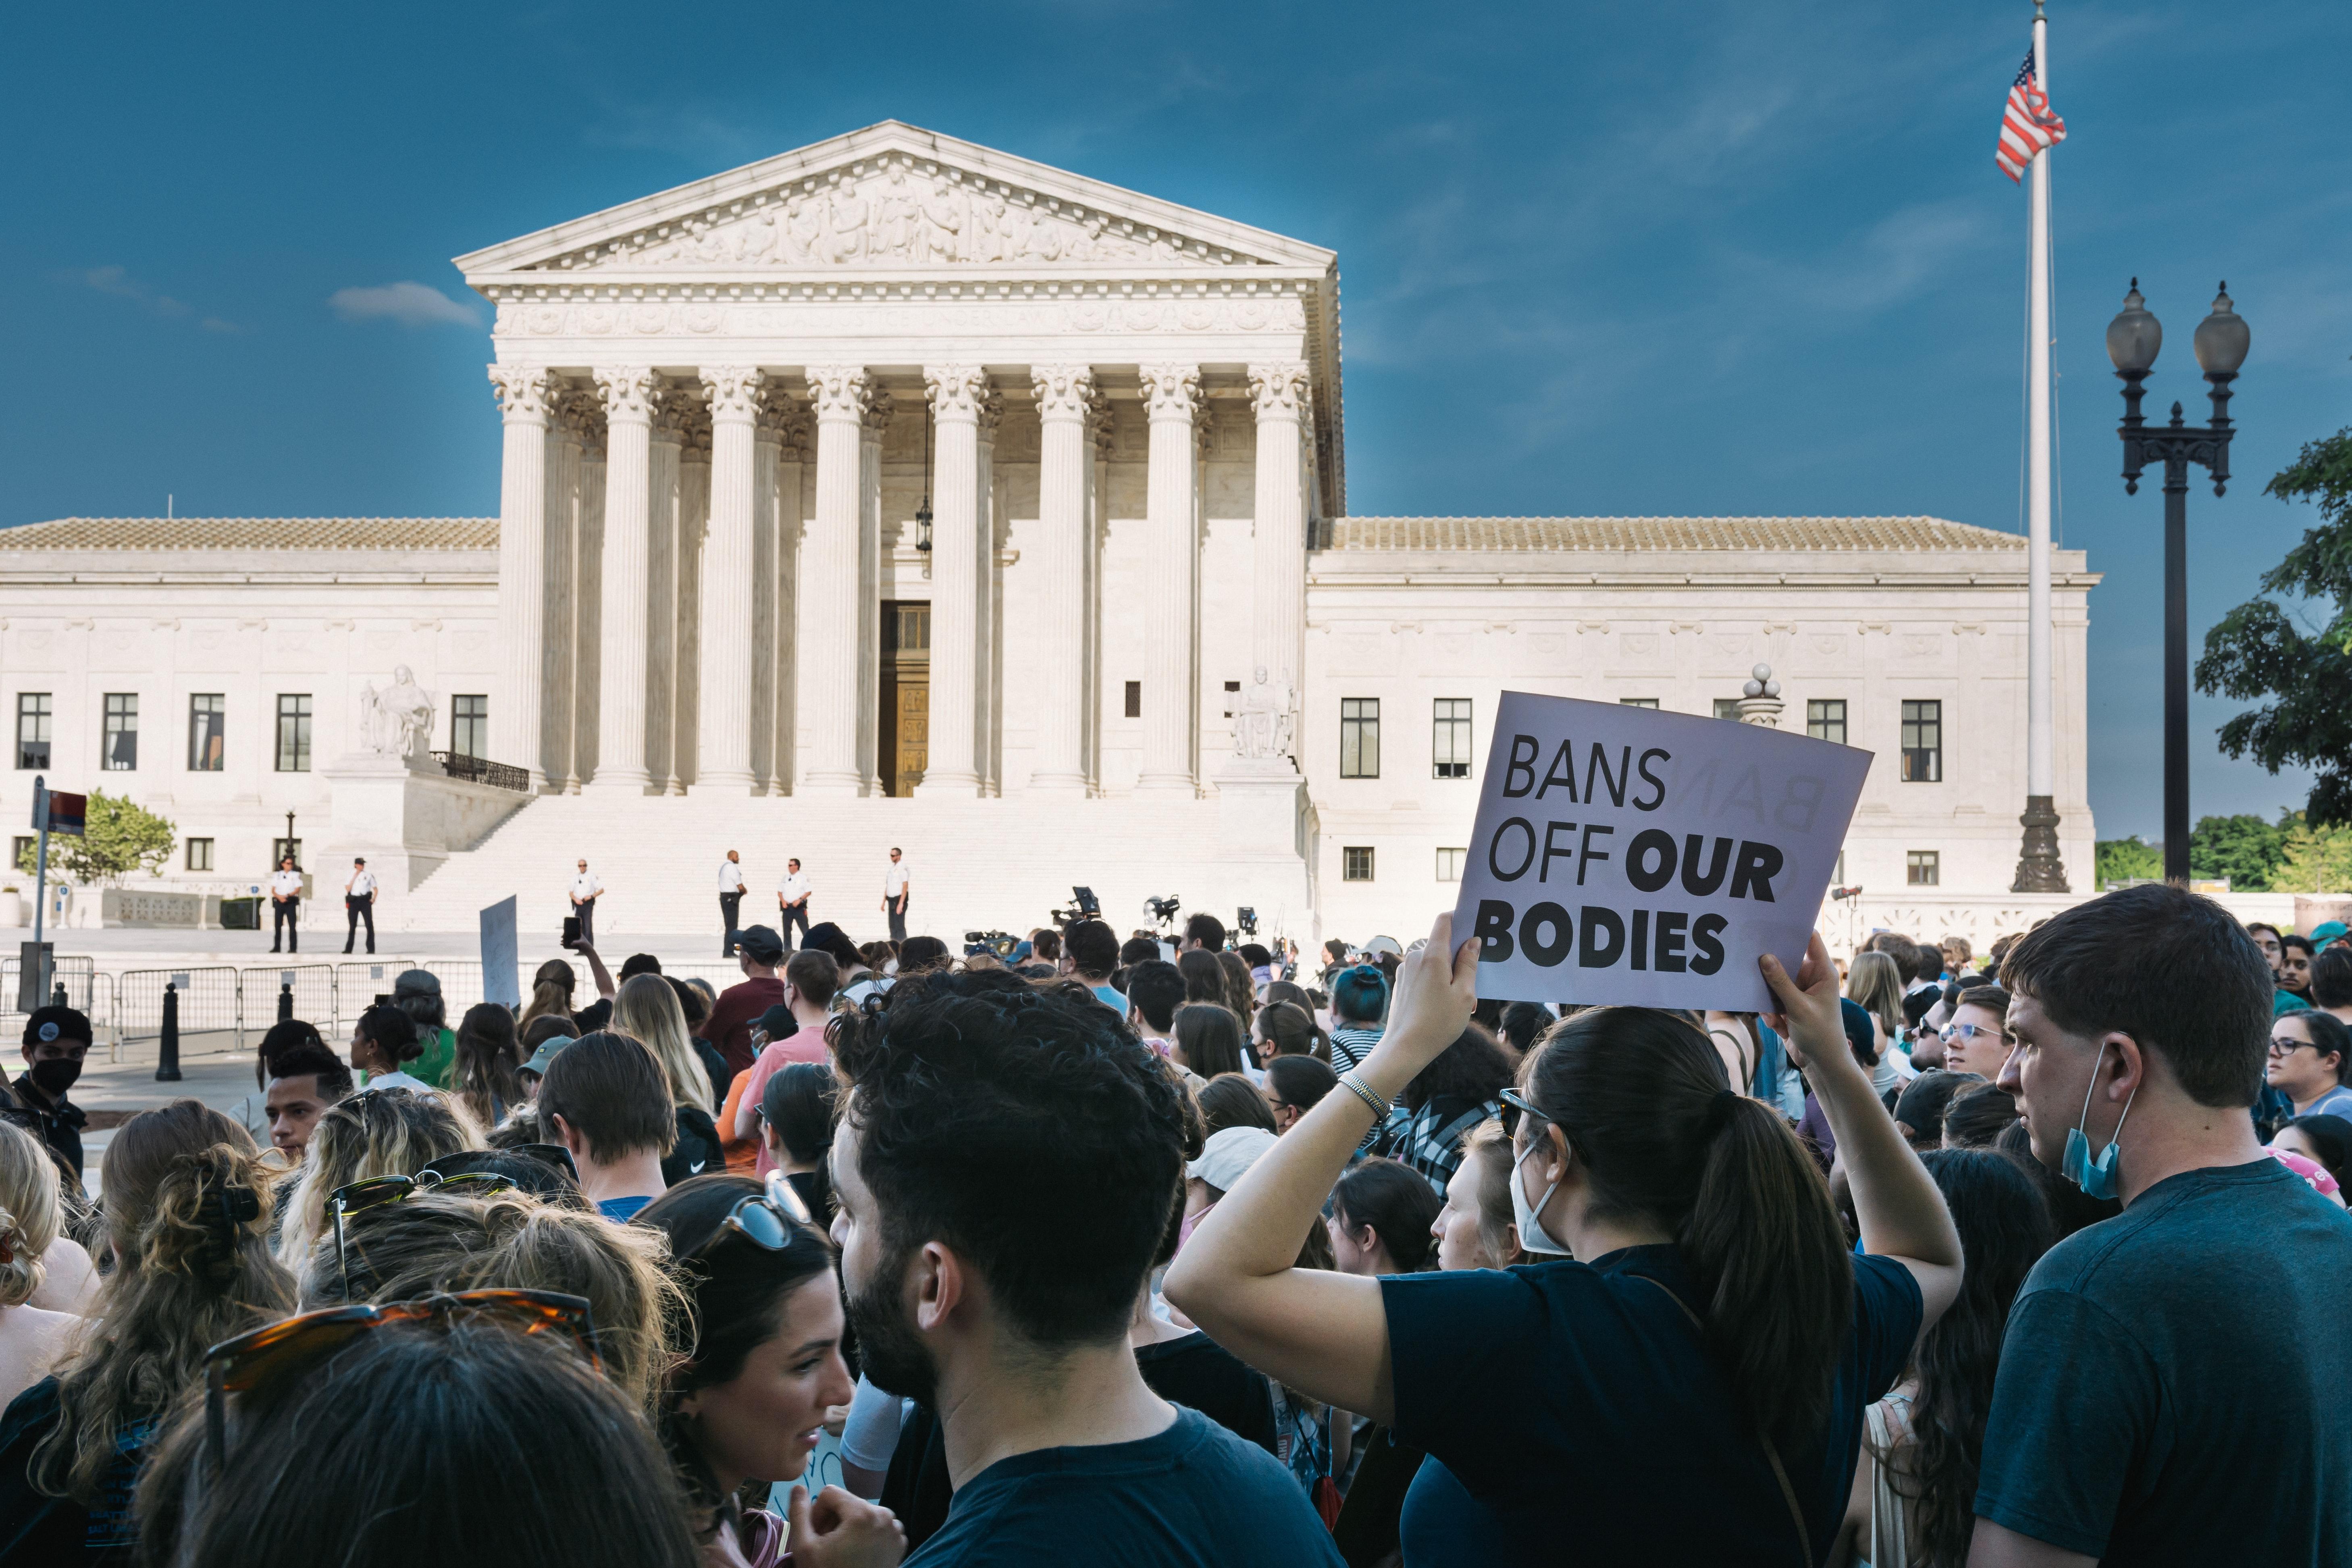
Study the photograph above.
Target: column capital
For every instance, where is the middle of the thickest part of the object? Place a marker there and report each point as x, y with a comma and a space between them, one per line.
1278, 390
1099, 426
631, 393
989, 413
526, 393
1063, 390
841, 392
878, 411
956, 392
1171, 392
735, 393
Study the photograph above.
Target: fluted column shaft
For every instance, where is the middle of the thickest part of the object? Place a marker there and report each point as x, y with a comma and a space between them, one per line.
953, 764
829, 607
795, 443
1066, 456
524, 392
660, 589
866, 652
625, 603
1279, 572
761, 731
729, 633
1173, 578
588, 620
989, 723
560, 550
1099, 438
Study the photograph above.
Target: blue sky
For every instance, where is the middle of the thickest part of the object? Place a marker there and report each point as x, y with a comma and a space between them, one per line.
1687, 256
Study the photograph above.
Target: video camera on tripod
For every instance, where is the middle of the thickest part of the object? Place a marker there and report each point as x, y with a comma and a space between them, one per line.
1000, 943
1084, 906
1161, 909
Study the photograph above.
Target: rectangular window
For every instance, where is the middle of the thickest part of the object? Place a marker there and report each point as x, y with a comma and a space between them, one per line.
470, 726
279, 848
1922, 868
1450, 737
207, 732
1923, 742
1233, 696
1360, 743
1356, 863
121, 753
33, 729
200, 854
1826, 720
1134, 699
1637, 702
1449, 864
294, 733
20, 853
1726, 706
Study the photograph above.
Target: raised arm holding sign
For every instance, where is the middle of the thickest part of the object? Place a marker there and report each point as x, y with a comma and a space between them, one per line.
1623, 855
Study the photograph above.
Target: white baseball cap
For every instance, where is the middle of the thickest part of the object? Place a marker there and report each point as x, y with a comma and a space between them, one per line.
1228, 1155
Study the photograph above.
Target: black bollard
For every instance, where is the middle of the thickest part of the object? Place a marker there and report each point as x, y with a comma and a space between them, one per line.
58, 997
167, 1070
284, 1000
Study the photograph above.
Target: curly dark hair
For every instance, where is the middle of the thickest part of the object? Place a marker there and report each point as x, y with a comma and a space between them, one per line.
1474, 1068
966, 1090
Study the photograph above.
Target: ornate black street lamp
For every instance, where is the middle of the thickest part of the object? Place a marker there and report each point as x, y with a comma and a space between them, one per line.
2133, 339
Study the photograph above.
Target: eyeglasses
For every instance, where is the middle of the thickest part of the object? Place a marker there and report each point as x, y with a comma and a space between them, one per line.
770, 1221
1951, 1032
2284, 1046
238, 1366
374, 1192
1514, 1106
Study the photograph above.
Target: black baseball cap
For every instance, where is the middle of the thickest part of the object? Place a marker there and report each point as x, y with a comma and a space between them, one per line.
48, 1025
762, 942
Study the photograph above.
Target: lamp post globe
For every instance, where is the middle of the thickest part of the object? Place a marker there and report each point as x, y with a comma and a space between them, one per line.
2221, 338
2134, 337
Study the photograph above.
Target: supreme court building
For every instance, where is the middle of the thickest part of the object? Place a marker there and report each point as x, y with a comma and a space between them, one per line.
900, 491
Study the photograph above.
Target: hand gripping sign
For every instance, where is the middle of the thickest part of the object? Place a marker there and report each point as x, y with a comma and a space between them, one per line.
1627, 856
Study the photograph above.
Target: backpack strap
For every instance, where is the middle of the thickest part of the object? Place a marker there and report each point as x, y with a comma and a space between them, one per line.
1771, 1452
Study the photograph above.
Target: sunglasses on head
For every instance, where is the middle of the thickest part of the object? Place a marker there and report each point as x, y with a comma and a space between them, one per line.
374, 1192
771, 1221
245, 1362
1516, 1106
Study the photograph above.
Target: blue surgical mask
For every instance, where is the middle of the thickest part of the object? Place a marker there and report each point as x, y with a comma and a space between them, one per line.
2095, 1177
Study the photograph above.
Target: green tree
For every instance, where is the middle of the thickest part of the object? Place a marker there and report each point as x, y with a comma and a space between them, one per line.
2317, 859
2259, 651
118, 837
2121, 859
2243, 849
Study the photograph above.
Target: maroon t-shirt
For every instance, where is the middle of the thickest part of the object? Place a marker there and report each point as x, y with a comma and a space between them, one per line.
730, 1025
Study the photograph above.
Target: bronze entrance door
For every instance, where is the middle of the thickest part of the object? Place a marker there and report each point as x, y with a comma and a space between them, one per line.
905, 698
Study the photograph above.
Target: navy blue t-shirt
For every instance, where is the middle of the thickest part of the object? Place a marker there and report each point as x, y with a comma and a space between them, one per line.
1195, 1496
2174, 1381
1569, 1410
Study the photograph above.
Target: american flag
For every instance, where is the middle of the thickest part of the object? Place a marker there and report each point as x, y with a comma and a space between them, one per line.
2026, 126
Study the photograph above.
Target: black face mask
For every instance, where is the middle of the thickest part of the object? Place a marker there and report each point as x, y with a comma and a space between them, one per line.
56, 1076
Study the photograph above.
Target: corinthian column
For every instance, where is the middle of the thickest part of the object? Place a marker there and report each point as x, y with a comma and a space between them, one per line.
1064, 456
867, 653
560, 552
795, 446
1279, 572
990, 723
729, 633
631, 396
524, 392
588, 586
953, 767
1173, 580
762, 649
663, 466
830, 618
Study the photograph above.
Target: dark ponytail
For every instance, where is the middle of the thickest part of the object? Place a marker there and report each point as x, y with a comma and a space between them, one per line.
1642, 1099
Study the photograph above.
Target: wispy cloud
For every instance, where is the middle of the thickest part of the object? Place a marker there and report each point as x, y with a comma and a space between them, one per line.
410, 304
118, 282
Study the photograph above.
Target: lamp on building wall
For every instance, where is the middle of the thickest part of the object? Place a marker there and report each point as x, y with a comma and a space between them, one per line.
923, 512
2134, 338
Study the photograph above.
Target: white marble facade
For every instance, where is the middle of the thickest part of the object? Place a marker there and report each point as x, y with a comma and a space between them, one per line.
724, 405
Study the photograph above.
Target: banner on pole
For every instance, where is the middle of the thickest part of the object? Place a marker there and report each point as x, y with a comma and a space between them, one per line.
66, 814
501, 979
1626, 855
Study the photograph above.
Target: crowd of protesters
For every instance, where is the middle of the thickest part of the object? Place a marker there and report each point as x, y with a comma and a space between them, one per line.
1187, 1252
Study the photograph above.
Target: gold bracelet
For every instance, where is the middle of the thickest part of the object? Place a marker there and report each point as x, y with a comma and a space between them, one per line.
1365, 1092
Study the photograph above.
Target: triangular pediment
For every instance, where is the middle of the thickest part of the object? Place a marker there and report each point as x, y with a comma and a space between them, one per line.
891, 197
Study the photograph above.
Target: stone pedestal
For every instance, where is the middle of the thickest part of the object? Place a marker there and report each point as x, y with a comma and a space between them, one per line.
1261, 805
406, 816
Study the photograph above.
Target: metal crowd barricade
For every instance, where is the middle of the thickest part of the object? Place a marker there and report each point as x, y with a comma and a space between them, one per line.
76, 973
461, 984
314, 996
357, 985
210, 1003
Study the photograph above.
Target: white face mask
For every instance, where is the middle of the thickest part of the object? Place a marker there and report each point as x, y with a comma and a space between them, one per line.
1533, 1237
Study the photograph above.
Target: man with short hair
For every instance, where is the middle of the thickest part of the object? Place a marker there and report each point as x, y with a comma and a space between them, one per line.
2171, 1380
894, 891
792, 902
607, 1099
758, 951
303, 1082
1093, 949
1155, 989
359, 904
1010, 1319
1205, 931
586, 889
55, 1041
286, 907
810, 979
730, 899
2331, 982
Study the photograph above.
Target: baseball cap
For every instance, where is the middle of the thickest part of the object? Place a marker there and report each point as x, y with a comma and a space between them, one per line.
48, 1025
2326, 932
548, 1051
778, 1022
1227, 1156
762, 942
416, 982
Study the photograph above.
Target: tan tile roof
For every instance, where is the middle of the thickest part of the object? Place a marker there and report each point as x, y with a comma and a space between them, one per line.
1509, 533
255, 533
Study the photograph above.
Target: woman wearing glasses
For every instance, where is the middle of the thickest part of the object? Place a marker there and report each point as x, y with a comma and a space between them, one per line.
1711, 1324
1977, 1039
2311, 1053
749, 1401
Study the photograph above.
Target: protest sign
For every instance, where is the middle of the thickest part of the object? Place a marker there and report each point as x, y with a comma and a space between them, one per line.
502, 975
1627, 856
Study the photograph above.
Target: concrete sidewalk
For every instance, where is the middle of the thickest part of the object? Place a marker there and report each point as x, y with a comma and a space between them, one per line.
222, 1081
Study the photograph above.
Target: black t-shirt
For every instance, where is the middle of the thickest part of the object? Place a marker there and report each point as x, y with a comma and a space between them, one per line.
1571, 1402
2173, 1380
696, 1151
593, 1017
1195, 1496
37, 1531
1201, 1373
61, 1120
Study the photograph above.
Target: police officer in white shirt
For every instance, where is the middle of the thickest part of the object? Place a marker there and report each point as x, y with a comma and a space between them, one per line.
285, 906
792, 902
894, 895
358, 904
731, 899
586, 891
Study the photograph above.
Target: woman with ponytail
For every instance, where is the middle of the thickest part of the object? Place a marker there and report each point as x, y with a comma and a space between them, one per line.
1711, 1323
187, 1208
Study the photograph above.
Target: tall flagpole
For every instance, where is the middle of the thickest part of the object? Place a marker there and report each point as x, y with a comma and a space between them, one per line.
2039, 866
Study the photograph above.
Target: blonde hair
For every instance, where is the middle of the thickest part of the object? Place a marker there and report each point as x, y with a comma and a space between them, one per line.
1877, 984
551, 994
187, 1210
647, 1011
515, 1241
376, 1132
29, 1212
